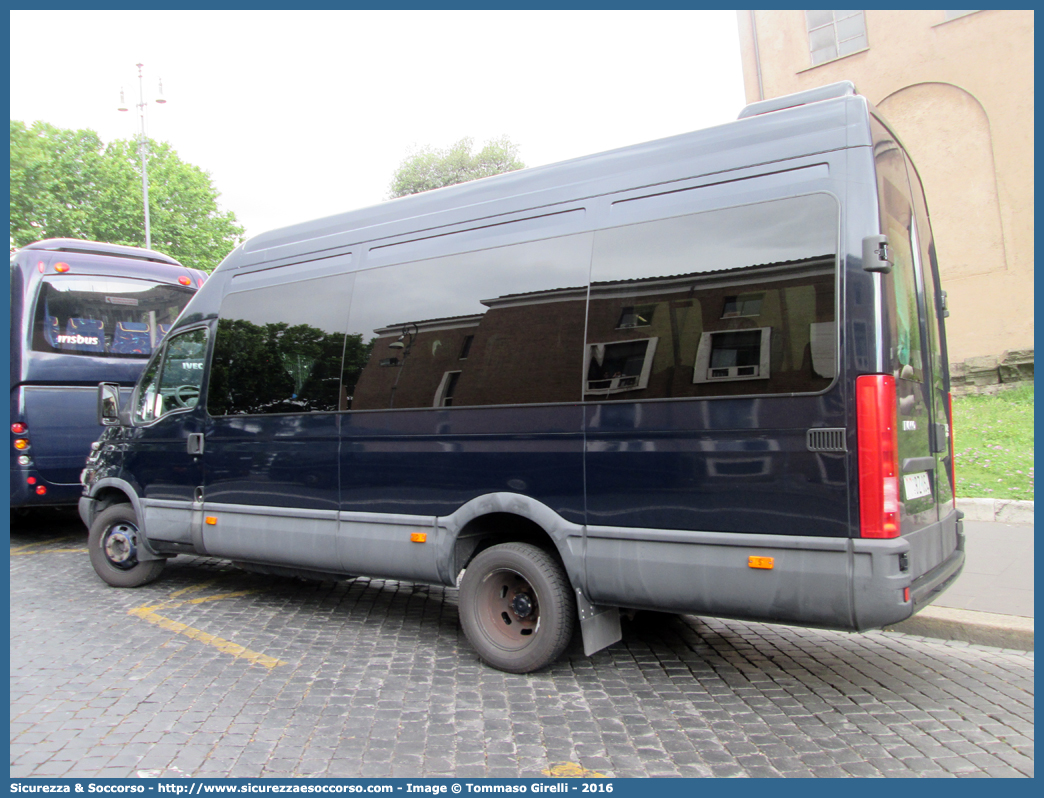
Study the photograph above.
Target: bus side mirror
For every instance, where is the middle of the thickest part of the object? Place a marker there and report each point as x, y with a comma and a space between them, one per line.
877, 256
108, 404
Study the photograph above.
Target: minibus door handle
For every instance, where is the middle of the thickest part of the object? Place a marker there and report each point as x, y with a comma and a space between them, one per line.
195, 443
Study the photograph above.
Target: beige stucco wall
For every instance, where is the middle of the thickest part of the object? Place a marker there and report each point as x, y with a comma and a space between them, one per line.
960, 95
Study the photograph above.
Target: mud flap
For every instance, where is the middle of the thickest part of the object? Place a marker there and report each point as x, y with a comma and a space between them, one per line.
600, 626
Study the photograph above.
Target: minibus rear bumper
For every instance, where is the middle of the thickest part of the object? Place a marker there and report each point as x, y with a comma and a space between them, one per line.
933, 584
885, 594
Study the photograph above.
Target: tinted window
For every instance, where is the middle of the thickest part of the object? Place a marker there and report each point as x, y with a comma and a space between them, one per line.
735, 301
497, 326
278, 348
104, 316
898, 224
934, 315
172, 382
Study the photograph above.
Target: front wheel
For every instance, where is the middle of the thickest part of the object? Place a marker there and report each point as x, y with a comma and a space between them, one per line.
516, 607
113, 543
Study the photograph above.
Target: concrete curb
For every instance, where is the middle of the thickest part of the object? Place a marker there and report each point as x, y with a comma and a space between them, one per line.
981, 628
1006, 511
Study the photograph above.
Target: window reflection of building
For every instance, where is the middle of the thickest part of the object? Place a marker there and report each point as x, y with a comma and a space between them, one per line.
763, 329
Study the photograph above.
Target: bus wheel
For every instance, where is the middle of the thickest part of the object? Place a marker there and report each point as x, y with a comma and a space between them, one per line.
516, 607
113, 544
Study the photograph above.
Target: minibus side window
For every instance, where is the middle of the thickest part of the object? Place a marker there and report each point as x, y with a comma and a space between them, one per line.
278, 348
173, 382
497, 326
728, 302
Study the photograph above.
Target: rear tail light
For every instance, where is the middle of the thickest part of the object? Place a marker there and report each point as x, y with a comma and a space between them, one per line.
199, 281
878, 456
18, 428
61, 268
21, 444
185, 280
953, 449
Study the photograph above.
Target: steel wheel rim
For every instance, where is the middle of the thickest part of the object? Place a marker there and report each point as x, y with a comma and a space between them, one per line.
119, 545
508, 609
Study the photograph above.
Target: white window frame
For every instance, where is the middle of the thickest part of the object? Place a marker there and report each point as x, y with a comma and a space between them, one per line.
702, 369
838, 41
440, 394
620, 384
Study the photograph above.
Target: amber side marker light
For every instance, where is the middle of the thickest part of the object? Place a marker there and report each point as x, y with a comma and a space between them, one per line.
765, 563
211, 520
418, 537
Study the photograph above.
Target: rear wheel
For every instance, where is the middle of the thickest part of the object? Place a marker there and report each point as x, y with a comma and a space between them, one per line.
516, 607
114, 542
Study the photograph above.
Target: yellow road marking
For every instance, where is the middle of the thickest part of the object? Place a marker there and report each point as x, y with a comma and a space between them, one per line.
234, 594
38, 548
150, 614
225, 646
192, 589
571, 770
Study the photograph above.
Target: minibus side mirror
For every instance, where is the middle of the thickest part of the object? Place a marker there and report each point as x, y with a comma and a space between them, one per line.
108, 404
877, 256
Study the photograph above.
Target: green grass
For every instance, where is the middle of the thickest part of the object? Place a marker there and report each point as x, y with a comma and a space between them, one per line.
993, 442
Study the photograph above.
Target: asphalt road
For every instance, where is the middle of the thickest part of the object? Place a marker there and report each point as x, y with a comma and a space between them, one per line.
212, 672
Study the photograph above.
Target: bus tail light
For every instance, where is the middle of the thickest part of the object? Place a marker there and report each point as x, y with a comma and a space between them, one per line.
199, 282
878, 456
41, 490
61, 268
185, 280
19, 428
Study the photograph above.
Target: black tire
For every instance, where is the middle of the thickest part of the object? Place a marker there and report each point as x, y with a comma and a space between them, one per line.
112, 543
517, 607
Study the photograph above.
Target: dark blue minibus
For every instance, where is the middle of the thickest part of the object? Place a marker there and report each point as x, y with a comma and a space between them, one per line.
705, 374
81, 313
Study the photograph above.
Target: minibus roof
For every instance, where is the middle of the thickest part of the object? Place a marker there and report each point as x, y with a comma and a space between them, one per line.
827, 119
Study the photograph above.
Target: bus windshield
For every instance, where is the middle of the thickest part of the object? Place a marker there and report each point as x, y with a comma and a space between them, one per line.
104, 316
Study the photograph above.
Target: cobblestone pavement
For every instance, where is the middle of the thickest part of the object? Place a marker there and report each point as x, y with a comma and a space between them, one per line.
212, 671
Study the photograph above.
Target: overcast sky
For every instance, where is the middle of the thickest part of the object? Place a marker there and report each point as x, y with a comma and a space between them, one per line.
303, 114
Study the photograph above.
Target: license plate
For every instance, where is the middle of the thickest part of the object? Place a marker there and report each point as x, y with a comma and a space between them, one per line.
917, 485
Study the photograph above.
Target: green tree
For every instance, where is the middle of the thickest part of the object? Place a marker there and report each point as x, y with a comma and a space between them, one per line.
434, 168
67, 184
